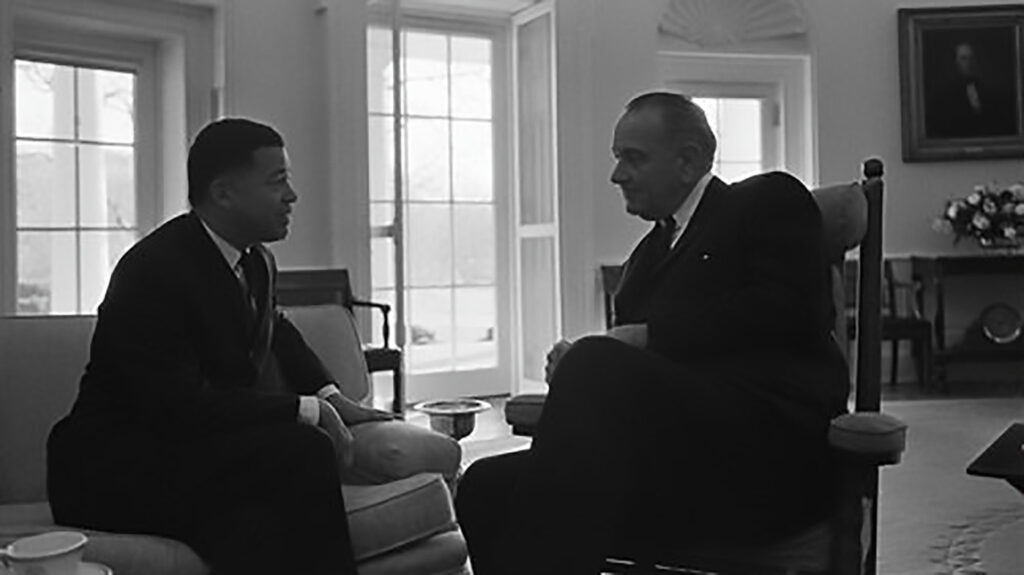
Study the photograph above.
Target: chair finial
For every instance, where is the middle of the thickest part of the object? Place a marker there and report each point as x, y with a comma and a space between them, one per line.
873, 168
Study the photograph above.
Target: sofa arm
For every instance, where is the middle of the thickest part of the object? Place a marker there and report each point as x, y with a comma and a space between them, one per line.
872, 438
522, 412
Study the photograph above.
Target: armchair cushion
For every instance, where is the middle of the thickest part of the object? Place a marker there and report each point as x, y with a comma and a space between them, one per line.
123, 553
385, 517
331, 331
877, 437
382, 518
844, 218
392, 450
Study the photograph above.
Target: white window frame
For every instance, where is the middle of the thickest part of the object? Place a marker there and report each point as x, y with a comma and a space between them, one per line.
739, 75
173, 47
772, 141
468, 382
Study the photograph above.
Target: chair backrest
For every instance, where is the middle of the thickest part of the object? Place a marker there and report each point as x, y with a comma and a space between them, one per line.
312, 287
851, 217
610, 277
319, 304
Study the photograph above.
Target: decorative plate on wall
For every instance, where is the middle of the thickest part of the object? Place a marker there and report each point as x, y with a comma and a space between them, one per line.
1001, 323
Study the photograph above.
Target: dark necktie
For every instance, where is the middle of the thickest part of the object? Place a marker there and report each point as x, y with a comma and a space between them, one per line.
661, 239
252, 280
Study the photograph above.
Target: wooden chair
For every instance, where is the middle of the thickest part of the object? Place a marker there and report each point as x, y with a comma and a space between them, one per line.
899, 323
331, 286
863, 441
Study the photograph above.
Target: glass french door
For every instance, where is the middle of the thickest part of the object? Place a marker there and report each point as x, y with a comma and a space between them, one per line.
536, 207
452, 204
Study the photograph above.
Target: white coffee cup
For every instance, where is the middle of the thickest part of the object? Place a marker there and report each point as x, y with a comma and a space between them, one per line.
54, 553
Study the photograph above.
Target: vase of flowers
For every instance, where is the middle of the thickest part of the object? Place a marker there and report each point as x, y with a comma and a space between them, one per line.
992, 215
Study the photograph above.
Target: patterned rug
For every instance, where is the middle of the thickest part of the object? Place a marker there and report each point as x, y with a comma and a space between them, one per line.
933, 517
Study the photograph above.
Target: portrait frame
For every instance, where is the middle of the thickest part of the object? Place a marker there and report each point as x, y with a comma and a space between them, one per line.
961, 86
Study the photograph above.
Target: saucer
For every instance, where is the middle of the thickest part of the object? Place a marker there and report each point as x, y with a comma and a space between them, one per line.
85, 568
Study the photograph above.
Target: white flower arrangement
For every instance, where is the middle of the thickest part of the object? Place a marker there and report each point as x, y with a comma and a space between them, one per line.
992, 215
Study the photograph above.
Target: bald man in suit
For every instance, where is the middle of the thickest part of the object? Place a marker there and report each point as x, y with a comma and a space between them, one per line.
702, 414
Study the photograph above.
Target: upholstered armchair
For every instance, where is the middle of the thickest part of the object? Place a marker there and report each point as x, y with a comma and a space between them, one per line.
863, 441
398, 500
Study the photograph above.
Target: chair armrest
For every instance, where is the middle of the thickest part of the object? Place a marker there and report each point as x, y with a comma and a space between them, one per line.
382, 359
385, 309
870, 438
522, 412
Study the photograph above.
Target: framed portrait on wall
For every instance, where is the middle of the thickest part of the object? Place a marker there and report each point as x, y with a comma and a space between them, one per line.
960, 82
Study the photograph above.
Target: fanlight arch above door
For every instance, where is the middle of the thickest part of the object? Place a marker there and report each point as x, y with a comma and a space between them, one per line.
715, 23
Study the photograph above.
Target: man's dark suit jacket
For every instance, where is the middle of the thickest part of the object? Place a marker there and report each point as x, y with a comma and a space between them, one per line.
745, 293
177, 351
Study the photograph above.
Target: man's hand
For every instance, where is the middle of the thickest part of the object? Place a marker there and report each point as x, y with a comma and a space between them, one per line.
554, 356
353, 414
340, 435
633, 334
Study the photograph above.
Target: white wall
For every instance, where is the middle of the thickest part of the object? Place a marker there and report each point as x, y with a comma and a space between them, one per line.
857, 95
606, 54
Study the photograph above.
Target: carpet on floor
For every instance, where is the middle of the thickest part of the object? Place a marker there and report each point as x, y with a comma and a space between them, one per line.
933, 517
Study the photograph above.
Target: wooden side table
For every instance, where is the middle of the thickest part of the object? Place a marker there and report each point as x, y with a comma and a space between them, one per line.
1004, 459
932, 272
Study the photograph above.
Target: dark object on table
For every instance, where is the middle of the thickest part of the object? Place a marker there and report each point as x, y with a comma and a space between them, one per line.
1004, 459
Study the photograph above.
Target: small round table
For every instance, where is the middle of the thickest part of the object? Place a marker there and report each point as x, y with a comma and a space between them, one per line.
455, 418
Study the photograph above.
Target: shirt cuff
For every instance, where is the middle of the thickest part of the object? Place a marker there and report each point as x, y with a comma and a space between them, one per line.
309, 410
328, 390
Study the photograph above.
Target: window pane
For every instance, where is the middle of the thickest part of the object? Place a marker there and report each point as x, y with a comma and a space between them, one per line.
107, 186
44, 100
429, 337
710, 107
100, 253
380, 75
426, 74
739, 135
382, 262
46, 184
429, 245
106, 106
475, 328
472, 164
471, 77
428, 160
736, 171
47, 282
382, 157
474, 244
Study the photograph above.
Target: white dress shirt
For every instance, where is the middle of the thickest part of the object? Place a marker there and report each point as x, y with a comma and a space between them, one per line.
685, 212
309, 405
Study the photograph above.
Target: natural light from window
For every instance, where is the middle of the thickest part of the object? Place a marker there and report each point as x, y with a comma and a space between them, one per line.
76, 192
736, 123
450, 208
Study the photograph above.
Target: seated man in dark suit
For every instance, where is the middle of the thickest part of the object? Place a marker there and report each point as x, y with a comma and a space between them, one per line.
202, 415
702, 414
